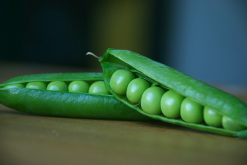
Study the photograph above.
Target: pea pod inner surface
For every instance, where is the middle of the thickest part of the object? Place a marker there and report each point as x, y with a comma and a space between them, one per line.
202, 93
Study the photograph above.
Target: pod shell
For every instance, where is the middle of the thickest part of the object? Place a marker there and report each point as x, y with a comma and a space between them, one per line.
65, 104
198, 91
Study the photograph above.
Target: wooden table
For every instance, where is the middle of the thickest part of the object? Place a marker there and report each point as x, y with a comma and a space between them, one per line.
29, 139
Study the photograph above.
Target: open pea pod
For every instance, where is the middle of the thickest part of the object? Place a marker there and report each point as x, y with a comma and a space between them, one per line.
64, 104
171, 79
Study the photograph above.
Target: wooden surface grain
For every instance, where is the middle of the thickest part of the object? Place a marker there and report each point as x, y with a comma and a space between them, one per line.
29, 139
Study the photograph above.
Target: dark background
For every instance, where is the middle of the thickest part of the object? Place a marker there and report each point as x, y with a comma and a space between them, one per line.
205, 39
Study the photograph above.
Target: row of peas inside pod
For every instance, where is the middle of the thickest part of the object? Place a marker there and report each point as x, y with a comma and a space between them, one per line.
97, 87
155, 100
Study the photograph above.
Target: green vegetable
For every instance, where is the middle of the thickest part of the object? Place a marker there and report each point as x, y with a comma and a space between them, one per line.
57, 86
191, 111
135, 89
78, 87
170, 79
36, 85
98, 87
120, 81
212, 118
14, 86
150, 101
230, 124
64, 104
171, 103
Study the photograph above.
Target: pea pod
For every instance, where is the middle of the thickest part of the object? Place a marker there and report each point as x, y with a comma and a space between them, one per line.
64, 104
170, 79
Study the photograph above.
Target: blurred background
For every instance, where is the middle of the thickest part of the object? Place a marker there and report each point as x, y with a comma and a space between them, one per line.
205, 39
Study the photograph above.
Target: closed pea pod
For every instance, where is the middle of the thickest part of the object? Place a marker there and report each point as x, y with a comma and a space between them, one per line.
61, 103
186, 86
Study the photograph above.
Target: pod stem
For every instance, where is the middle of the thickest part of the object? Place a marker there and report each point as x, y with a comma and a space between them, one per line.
92, 54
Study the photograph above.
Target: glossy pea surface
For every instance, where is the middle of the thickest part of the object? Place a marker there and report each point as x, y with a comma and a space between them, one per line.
36, 85
191, 111
98, 87
135, 89
171, 103
120, 81
230, 124
211, 117
57, 86
150, 101
14, 86
78, 87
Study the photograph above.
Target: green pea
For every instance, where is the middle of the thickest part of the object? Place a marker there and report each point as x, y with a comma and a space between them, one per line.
211, 117
98, 87
15, 86
191, 111
57, 86
78, 87
170, 104
120, 81
36, 85
230, 124
150, 101
135, 89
